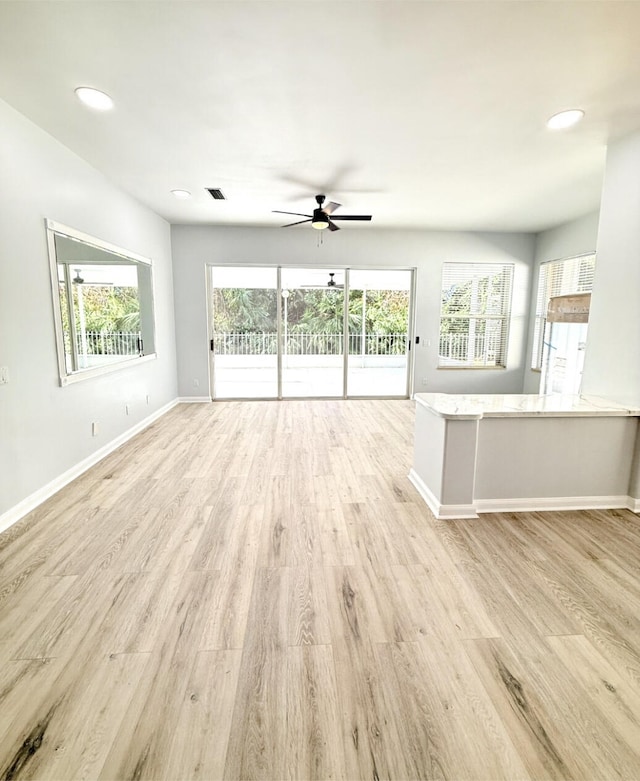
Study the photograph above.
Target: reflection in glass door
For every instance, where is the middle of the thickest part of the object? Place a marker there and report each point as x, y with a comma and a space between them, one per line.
379, 307
244, 327
312, 332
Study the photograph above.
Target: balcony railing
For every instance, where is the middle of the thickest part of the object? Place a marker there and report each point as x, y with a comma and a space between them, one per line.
453, 347
226, 343
481, 349
108, 343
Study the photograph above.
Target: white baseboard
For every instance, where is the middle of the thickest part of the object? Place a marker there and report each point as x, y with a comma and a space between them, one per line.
544, 504
551, 503
194, 399
633, 504
28, 504
442, 512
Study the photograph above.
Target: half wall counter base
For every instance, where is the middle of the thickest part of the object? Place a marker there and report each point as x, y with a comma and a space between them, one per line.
440, 511
524, 453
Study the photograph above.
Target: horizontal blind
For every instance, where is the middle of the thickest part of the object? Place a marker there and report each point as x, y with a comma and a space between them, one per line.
474, 315
559, 278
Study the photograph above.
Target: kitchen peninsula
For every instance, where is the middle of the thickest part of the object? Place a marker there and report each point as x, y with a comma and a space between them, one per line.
507, 453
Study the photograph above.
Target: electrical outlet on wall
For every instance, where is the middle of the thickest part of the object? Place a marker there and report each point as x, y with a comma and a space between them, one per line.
127, 409
4, 375
148, 397
95, 429
424, 381
196, 383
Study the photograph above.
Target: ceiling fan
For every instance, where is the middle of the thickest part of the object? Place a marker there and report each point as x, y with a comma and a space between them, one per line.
323, 217
80, 280
331, 283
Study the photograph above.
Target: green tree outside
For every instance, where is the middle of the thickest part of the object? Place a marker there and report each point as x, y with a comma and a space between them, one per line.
312, 312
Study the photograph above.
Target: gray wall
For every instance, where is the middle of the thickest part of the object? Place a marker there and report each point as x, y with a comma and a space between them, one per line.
194, 247
612, 360
577, 237
45, 429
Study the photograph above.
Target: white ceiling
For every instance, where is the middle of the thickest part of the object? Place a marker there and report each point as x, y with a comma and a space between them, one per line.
424, 114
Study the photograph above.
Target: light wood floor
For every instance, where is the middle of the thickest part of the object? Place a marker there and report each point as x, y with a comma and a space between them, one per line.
256, 591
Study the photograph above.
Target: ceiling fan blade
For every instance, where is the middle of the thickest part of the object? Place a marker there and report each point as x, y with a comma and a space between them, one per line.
331, 207
333, 227
289, 224
353, 217
297, 214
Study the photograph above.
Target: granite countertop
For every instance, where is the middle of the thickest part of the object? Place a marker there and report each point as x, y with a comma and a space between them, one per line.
474, 407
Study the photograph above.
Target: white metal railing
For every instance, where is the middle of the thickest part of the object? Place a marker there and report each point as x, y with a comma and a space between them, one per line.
229, 343
481, 348
108, 342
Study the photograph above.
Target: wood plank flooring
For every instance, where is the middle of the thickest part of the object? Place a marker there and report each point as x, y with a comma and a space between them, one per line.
254, 590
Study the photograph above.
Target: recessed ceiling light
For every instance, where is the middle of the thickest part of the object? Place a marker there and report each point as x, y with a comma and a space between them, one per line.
565, 119
182, 195
94, 98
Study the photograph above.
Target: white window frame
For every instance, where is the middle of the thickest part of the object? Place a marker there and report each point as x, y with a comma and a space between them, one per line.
479, 348
559, 277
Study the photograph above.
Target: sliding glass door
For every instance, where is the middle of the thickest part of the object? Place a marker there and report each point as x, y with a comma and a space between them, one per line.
244, 324
379, 305
284, 332
312, 333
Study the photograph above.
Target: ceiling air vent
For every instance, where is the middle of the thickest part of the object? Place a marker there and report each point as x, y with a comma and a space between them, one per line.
216, 194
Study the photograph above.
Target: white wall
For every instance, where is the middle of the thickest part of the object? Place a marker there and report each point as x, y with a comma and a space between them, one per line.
46, 429
577, 237
612, 360
196, 246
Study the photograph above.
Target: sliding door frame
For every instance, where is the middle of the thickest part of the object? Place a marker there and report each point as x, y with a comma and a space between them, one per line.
280, 336
345, 335
411, 330
210, 285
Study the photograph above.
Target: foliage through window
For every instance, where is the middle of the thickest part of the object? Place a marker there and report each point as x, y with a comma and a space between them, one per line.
474, 315
245, 321
105, 307
558, 278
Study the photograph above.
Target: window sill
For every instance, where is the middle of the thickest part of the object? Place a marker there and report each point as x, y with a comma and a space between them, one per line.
471, 368
98, 371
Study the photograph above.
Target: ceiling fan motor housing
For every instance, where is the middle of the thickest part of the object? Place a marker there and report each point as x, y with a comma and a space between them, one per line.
320, 216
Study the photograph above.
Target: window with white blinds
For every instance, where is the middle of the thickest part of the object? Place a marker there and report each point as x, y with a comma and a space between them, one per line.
559, 278
474, 315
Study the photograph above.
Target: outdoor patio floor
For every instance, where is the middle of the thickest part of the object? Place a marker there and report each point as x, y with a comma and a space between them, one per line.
318, 382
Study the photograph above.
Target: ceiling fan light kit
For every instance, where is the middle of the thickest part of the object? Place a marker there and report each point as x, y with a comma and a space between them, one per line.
320, 220
322, 216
